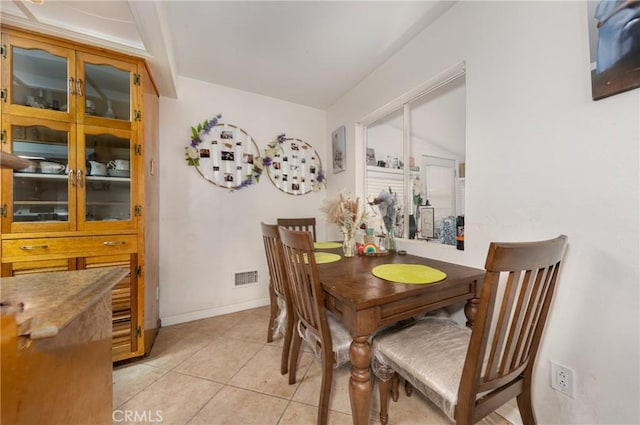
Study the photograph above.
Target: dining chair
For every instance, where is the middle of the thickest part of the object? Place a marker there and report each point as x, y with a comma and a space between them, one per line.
281, 310
307, 224
470, 373
318, 327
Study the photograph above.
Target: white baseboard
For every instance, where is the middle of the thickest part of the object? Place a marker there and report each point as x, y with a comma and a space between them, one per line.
212, 312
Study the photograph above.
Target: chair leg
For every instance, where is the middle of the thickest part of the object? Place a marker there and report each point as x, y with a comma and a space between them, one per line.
325, 391
286, 347
384, 388
395, 382
408, 389
525, 406
293, 355
274, 313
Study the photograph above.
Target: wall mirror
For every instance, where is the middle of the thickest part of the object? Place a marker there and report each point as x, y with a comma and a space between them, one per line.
415, 147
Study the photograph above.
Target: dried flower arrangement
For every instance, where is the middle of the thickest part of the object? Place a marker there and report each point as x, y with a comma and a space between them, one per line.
346, 212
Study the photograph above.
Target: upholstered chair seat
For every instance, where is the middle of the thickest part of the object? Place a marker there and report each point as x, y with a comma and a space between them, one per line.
432, 364
340, 339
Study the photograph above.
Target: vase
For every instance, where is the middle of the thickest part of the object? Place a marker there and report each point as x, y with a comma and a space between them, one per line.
391, 241
349, 245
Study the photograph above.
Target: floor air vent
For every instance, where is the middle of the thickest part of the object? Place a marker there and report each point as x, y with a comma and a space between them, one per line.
246, 278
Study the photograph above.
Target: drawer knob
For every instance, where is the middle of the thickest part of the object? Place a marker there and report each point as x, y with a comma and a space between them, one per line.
32, 247
114, 243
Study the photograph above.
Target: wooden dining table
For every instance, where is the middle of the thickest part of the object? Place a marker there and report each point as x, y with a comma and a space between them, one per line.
365, 303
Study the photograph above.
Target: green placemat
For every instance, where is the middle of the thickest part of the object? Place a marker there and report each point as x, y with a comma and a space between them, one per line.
324, 257
408, 273
326, 245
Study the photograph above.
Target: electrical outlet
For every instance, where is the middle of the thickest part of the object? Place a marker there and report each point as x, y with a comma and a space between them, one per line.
562, 379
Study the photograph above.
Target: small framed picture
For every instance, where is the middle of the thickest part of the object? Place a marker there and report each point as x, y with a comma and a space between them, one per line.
427, 226
205, 153
339, 149
226, 134
227, 156
371, 156
247, 158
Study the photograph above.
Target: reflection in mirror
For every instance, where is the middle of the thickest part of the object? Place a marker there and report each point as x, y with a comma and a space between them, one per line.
422, 168
384, 172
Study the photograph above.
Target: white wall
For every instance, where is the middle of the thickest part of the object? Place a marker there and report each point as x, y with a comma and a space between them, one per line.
542, 159
207, 233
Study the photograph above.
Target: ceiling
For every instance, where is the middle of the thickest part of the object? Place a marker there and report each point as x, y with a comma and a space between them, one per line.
307, 52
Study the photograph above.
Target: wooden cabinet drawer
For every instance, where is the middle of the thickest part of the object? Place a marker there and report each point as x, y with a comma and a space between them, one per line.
14, 250
28, 267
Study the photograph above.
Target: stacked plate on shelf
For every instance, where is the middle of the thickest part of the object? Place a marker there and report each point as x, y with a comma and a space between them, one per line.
112, 172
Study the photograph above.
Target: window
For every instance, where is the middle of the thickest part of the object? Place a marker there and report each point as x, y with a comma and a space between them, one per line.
415, 147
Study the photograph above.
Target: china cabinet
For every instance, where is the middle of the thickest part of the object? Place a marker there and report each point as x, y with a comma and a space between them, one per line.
87, 120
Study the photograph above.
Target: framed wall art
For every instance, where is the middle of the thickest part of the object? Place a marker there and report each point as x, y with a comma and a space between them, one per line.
371, 156
339, 149
427, 226
614, 45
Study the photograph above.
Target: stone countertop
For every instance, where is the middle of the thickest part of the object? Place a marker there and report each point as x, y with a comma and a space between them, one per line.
8, 160
44, 303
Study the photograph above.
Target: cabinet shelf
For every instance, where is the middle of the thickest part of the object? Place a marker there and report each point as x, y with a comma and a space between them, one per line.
108, 179
64, 177
40, 176
111, 203
52, 202
38, 141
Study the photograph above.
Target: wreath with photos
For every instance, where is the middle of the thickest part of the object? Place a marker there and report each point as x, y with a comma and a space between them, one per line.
226, 156
228, 160
197, 132
294, 167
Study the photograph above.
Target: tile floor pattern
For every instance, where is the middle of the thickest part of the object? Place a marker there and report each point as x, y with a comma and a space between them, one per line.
221, 371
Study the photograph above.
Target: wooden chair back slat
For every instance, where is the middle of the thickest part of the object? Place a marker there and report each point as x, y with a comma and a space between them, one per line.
502, 325
304, 224
275, 263
304, 282
547, 279
513, 308
516, 328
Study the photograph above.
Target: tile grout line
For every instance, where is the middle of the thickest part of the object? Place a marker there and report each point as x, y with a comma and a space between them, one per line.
165, 371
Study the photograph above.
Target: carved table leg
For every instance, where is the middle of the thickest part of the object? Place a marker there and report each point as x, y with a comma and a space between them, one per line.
360, 386
470, 310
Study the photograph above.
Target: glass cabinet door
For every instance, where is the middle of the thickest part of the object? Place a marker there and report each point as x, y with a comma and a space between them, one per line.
38, 79
106, 196
42, 196
106, 87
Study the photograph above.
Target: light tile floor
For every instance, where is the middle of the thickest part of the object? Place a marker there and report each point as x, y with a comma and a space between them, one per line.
221, 371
